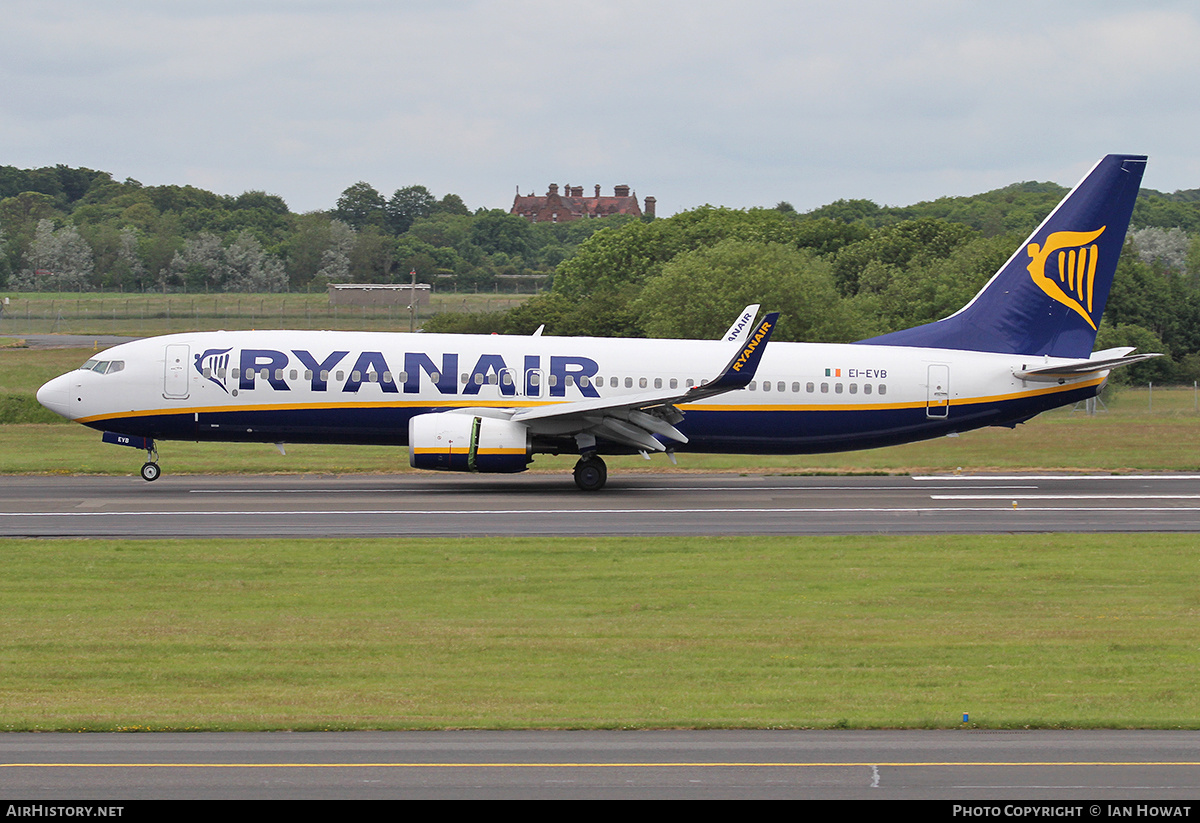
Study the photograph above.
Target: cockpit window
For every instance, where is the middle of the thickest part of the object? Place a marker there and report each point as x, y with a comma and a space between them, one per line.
104, 366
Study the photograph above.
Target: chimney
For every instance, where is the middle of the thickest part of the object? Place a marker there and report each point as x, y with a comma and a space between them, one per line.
621, 191
597, 191
649, 211
553, 190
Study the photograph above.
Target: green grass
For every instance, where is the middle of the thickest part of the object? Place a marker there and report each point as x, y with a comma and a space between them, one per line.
1019, 631
144, 315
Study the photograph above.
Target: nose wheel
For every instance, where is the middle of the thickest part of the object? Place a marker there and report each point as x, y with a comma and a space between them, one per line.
590, 473
150, 469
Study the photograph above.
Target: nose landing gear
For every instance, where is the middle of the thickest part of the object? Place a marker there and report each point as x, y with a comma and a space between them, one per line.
150, 469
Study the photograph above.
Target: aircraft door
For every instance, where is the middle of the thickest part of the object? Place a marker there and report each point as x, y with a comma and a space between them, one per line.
175, 372
937, 391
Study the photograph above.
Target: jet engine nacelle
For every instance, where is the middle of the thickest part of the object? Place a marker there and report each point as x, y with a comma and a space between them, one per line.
454, 441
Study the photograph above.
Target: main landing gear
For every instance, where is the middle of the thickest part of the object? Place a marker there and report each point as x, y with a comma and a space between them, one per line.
590, 473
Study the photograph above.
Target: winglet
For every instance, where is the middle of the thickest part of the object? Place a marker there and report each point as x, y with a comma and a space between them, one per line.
742, 326
740, 370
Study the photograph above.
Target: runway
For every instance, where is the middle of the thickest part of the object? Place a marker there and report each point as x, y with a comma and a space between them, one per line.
427, 504
1102, 770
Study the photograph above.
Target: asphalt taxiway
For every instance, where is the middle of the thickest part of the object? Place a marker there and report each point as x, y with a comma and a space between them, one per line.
631, 504
1105, 768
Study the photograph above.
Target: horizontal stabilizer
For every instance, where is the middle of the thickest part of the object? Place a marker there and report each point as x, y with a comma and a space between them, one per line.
1103, 361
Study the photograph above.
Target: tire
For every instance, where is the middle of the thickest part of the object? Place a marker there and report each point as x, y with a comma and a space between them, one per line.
150, 472
591, 474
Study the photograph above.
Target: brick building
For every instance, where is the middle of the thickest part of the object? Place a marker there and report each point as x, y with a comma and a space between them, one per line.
571, 204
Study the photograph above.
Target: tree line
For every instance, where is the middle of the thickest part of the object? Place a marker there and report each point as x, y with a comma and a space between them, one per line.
845, 271
68, 229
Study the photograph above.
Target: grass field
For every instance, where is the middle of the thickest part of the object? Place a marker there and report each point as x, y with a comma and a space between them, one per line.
144, 315
1018, 631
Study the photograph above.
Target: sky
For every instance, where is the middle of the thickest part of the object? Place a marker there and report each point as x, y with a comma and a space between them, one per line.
731, 104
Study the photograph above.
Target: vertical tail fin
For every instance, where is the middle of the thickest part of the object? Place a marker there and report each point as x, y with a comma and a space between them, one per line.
1048, 297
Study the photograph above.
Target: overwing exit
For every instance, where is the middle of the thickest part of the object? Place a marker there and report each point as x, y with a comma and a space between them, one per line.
490, 403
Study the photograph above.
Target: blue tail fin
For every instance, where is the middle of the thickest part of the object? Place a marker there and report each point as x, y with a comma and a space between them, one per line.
1048, 297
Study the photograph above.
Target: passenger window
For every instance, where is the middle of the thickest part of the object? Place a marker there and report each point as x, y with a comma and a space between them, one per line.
882, 388
854, 388
837, 388
674, 383
766, 385
866, 388
629, 382
824, 388
642, 383
809, 387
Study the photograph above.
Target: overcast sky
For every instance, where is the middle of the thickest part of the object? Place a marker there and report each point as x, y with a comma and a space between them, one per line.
739, 104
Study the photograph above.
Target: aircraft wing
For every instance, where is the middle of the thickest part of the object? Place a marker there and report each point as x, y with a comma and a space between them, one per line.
634, 419
1098, 362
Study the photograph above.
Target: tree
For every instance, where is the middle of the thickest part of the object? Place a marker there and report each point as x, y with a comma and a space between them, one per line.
59, 260
129, 269
251, 269
700, 291
407, 205
200, 265
1169, 247
360, 206
335, 262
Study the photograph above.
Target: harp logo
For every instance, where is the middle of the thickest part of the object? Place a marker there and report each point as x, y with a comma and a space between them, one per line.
214, 365
1064, 267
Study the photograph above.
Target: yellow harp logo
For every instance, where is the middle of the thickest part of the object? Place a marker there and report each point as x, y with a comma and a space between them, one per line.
1070, 277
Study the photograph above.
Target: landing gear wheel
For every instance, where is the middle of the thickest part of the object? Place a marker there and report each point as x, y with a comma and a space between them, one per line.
590, 474
150, 471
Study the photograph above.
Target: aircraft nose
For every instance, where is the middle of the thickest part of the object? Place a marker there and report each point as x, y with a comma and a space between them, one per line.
56, 395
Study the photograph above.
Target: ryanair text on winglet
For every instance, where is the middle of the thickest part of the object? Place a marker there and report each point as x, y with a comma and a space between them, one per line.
752, 345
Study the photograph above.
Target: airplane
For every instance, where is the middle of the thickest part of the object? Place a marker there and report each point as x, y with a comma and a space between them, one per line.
489, 403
